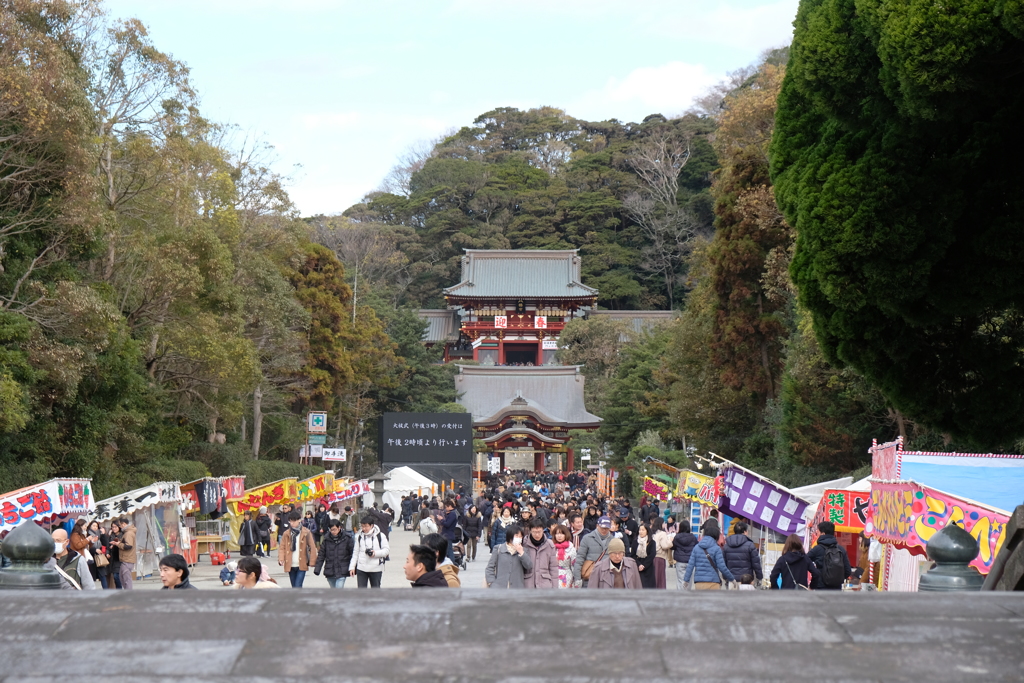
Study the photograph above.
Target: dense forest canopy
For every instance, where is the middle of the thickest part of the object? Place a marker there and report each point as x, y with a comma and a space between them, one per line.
165, 312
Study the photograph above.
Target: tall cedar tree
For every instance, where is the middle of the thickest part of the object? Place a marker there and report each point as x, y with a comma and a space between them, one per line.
749, 327
891, 160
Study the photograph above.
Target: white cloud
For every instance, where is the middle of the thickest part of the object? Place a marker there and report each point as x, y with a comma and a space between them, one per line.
666, 89
728, 24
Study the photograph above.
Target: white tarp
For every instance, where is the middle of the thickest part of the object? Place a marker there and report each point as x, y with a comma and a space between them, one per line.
406, 480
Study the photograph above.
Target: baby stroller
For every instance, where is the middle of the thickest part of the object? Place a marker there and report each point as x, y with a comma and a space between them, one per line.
459, 549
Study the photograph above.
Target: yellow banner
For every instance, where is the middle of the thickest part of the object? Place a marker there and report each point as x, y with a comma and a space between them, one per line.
278, 492
696, 487
315, 487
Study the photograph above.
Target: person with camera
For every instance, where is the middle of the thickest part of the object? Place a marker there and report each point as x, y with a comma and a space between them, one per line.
370, 552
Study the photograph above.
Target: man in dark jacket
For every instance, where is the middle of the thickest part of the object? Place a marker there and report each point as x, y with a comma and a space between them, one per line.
335, 555
682, 545
282, 520
741, 556
827, 541
420, 568
451, 520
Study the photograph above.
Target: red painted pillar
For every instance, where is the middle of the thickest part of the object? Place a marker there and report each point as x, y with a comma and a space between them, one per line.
538, 461
570, 460
501, 352
540, 353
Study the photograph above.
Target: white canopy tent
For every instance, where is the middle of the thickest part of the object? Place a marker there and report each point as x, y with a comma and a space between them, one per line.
403, 481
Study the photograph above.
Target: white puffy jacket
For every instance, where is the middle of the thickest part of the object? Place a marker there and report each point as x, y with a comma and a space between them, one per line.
374, 540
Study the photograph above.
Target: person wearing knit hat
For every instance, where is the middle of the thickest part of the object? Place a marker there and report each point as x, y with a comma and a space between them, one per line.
615, 570
263, 525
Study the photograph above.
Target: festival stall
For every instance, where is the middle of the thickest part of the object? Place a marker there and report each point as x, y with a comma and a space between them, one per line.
210, 496
316, 488
52, 502
847, 508
915, 494
156, 513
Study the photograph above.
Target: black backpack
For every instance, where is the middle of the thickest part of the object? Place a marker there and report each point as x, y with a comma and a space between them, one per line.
833, 568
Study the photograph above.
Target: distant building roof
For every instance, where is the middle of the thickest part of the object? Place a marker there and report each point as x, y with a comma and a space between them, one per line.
441, 325
553, 394
521, 273
639, 321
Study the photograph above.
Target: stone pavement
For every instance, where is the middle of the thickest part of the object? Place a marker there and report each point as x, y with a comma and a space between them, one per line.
514, 636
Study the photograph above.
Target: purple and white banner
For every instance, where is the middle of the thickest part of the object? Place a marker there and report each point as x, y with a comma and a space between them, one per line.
744, 494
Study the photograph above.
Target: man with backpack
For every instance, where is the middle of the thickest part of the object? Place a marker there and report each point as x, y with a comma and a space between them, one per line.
830, 558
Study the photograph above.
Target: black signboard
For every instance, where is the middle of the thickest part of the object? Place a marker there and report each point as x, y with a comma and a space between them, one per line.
407, 438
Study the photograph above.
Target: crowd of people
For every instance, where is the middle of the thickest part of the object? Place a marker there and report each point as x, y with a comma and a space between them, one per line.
540, 530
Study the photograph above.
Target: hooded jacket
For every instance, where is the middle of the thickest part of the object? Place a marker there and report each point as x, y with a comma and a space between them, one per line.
794, 565
544, 558
434, 579
374, 541
335, 554
741, 556
701, 569
472, 524
682, 546
451, 574
306, 547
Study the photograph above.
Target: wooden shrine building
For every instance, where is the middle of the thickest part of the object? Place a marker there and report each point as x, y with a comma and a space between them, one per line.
506, 314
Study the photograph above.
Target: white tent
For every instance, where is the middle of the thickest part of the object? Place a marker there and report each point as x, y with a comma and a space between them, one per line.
403, 481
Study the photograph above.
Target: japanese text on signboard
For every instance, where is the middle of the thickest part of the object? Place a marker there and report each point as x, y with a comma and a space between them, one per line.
426, 438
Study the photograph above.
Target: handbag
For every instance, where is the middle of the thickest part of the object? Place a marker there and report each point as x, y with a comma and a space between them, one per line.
795, 584
588, 567
101, 560
721, 579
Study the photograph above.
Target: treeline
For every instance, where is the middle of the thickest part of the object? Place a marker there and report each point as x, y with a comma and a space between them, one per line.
740, 372
164, 312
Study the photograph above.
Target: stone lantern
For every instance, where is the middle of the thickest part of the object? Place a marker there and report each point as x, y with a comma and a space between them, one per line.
377, 480
952, 549
28, 548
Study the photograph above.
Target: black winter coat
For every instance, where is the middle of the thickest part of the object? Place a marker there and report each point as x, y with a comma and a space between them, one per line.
741, 557
682, 545
473, 526
263, 524
647, 576
817, 556
247, 533
335, 554
794, 565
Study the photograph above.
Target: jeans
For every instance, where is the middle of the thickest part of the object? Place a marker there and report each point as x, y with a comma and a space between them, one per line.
680, 573
373, 578
471, 549
126, 574
296, 576
336, 581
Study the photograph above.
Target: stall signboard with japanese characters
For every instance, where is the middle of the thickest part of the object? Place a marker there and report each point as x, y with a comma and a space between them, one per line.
764, 503
54, 499
408, 438
908, 514
315, 487
349, 490
276, 493
125, 504
697, 487
848, 510
655, 488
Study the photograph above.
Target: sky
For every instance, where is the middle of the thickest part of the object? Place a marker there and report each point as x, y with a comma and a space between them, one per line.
341, 89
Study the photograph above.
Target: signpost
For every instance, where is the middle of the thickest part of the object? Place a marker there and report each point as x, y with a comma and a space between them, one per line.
316, 436
334, 455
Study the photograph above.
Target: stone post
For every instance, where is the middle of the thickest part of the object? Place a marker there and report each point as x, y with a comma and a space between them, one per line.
28, 548
952, 549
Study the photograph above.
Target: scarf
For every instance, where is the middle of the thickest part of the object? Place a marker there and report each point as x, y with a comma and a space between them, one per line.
295, 536
536, 543
616, 567
641, 547
561, 547
506, 522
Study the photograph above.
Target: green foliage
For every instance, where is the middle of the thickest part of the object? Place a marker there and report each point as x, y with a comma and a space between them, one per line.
890, 160
259, 472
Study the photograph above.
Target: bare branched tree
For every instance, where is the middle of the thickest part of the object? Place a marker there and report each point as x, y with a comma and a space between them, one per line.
654, 206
